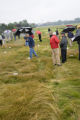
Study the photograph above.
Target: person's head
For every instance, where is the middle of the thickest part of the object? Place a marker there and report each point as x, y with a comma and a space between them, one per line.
49, 29
27, 35
63, 34
54, 33
78, 27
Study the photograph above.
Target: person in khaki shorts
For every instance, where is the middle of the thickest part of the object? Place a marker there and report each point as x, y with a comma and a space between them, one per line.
54, 42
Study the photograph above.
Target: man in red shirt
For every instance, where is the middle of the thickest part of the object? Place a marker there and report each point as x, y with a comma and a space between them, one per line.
54, 42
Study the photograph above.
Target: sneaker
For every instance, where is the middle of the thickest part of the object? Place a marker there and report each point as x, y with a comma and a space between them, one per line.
28, 58
59, 65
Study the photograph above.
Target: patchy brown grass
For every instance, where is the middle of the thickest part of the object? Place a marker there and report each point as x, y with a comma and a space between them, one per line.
39, 90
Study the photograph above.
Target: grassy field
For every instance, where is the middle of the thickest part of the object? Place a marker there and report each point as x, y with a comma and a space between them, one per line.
35, 89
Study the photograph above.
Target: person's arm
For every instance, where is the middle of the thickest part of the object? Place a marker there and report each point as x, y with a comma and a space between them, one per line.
25, 37
56, 39
50, 41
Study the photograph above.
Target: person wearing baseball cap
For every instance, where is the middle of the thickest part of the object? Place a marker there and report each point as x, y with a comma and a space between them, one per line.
54, 42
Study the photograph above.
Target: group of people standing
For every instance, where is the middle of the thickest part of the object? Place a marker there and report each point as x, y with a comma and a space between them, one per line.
7, 36
55, 42
2, 39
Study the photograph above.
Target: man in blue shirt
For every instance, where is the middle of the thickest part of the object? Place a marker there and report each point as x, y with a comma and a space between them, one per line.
31, 45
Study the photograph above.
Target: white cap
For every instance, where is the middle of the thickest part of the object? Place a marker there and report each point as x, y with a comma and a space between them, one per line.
54, 33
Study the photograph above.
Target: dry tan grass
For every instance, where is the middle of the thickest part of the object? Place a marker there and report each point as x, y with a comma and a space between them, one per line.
30, 101
40, 91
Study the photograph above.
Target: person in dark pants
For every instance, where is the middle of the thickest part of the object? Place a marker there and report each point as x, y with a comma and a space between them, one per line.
57, 33
17, 34
39, 35
79, 48
49, 29
78, 34
3, 38
50, 32
63, 46
0, 40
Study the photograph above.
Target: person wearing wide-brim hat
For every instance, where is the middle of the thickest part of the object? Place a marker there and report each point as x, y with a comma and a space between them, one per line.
63, 46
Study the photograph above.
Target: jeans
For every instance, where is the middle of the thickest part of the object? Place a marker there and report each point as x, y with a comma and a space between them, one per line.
15, 37
32, 52
26, 43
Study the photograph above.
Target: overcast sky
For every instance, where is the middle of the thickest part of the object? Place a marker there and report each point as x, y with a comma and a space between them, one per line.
38, 11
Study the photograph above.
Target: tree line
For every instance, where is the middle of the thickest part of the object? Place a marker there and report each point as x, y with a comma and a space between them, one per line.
15, 25
60, 22
24, 23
